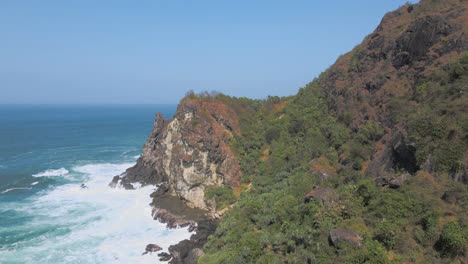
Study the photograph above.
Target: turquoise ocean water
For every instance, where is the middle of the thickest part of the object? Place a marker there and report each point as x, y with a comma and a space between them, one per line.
46, 153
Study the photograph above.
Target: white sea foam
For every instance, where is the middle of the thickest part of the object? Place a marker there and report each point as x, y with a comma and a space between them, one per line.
97, 224
12, 189
34, 183
136, 185
52, 173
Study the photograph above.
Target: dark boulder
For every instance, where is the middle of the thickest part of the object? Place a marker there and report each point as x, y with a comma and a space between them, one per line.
339, 236
392, 180
170, 219
410, 8
162, 189
324, 195
381, 181
150, 248
397, 182
188, 251
457, 195
164, 256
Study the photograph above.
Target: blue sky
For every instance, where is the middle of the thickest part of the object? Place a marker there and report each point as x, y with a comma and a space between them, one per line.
155, 51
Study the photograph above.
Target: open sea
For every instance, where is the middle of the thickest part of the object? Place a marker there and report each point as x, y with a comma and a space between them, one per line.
46, 154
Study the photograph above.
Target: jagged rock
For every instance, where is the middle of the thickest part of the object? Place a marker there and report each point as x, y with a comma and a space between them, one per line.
189, 152
172, 220
188, 251
397, 155
341, 235
164, 256
397, 182
415, 42
322, 194
180, 251
163, 188
456, 196
150, 248
141, 173
391, 180
175, 213
381, 181
194, 254
377, 41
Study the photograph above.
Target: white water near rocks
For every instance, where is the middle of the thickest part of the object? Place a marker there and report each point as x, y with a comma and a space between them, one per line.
97, 224
12, 189
52, 173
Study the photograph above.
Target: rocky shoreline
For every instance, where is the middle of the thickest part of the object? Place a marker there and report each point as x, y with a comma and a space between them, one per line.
182, 157
173, 212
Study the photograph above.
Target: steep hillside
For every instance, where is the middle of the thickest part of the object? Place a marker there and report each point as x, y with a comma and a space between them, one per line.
394, 78
366, 164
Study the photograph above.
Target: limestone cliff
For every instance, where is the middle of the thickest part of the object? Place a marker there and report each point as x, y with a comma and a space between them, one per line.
189, 152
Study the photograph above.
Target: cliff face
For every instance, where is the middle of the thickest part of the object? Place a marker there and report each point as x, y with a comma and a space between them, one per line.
402, 59
408, 45
190, 152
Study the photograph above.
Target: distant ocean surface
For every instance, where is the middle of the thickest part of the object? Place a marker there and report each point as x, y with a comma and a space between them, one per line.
46, 154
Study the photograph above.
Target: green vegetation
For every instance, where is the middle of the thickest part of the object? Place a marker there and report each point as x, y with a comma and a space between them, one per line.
286, 142
454, 238
385, 129
222, 195
438, 124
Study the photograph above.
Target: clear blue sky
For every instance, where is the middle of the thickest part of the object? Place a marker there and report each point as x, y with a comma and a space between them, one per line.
88, 51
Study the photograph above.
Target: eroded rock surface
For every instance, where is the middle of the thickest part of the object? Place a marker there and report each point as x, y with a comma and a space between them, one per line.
150, 248
324, 195
339, 236
189, 152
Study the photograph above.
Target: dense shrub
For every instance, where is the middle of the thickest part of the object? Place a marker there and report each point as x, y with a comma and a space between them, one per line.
454, 239
223, 196
283, 139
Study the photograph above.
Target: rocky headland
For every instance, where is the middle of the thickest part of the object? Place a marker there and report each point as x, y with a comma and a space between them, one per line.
377, 144
183, 156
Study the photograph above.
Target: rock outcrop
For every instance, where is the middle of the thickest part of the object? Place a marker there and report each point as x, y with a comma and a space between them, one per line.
183, 156
408, 43
189, 152
340, 236
150, 248
409, 47
323, 195
189, 250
